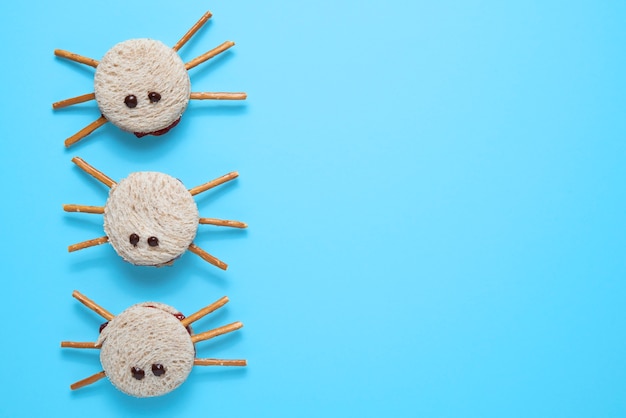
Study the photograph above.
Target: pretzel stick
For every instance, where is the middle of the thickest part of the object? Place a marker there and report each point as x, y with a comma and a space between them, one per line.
85, 131
217, 96
209, 54
192, 31
222, 222
204, 311
93, 305
83, 209
207, 257
74, 100
207, 335
87, 244
88, 381
75, 57
218, 362
72, 344
213, 183
98, 175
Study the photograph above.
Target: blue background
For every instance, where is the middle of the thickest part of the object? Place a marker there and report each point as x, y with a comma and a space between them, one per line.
435, 193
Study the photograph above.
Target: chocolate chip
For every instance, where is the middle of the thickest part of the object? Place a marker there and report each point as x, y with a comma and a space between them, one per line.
137, 373
158, 369
134, 239
131, 101
154, 97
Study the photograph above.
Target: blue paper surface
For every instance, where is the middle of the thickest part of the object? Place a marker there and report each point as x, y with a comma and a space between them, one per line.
434, 190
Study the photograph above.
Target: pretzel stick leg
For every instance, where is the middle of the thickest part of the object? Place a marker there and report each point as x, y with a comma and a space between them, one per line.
74, 100
76, 58
83, 209
85, 131
207, 335
87, 244
214, 183
93, 305
207, 257
195, 28
217, 96
73, 344
98, 175
222, 222
209, 54
204, 311
218, 362
88, 381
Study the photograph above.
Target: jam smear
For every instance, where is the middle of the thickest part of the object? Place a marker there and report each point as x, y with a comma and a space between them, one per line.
159, 132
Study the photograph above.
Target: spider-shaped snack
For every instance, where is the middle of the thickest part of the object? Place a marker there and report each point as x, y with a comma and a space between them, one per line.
149, 349
150, 218
142, 85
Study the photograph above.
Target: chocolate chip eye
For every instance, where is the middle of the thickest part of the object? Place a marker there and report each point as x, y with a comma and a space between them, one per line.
158, 369
134, 239
137, 373
153, 241
154, 97
131, 101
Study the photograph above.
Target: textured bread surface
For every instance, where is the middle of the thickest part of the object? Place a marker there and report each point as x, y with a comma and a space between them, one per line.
144, 335
138, 67
150, 204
